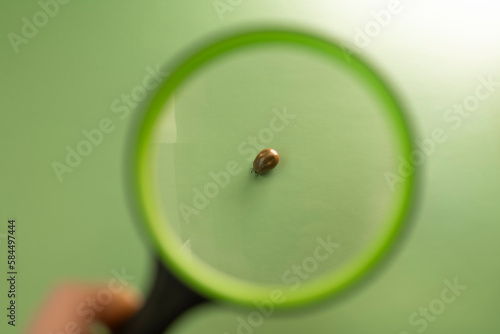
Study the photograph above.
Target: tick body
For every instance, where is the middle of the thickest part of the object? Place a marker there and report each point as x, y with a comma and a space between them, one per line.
266, 160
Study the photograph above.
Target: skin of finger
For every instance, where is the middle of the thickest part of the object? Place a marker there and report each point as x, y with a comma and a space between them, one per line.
58, 313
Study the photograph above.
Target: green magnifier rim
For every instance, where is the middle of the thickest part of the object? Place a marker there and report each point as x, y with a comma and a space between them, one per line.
202, 277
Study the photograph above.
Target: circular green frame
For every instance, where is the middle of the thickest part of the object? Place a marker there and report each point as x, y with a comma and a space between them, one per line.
206, 279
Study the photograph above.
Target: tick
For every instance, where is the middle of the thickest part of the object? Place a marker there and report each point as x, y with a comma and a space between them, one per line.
266, 160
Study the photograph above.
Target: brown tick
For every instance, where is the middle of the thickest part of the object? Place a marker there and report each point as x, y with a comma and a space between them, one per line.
266, 160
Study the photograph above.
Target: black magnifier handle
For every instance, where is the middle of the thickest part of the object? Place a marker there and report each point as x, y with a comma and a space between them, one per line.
168, 299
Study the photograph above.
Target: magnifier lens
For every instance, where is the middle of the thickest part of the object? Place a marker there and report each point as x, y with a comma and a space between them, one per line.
316, 221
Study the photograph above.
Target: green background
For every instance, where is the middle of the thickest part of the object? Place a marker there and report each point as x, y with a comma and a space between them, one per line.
65, 79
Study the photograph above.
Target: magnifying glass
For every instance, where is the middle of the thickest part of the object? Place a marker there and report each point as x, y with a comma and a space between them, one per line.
313, 225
